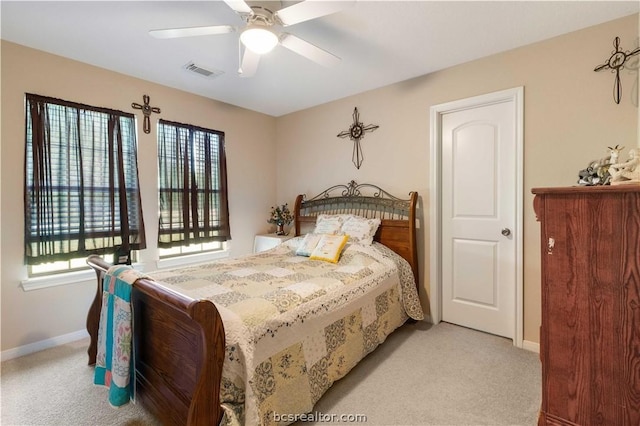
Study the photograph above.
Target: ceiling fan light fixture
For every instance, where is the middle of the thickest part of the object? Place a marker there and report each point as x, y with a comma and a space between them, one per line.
258, 39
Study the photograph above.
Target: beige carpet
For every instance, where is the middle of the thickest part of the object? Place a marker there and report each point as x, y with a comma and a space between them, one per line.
422, 375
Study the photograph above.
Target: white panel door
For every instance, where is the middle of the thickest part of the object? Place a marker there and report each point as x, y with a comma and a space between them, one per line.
478, 216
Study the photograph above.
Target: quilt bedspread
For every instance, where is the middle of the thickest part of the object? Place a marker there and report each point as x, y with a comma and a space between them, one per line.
294, 326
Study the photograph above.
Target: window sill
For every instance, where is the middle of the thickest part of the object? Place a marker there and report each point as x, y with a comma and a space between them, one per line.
190, 259
54, 280
75, 277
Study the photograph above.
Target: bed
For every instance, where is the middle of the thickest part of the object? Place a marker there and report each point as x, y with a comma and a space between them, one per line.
284, 350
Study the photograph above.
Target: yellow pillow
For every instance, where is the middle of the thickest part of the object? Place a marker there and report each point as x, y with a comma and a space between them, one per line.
329, 248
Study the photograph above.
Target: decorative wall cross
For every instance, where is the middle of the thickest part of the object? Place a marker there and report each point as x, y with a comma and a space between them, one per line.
146, 110
356, 132
616, 63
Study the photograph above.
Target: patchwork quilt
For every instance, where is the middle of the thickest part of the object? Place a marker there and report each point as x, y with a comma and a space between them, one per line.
114, 358
293, 325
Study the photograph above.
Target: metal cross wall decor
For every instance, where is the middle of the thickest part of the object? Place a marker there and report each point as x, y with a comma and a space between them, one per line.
356, 132
146, 110
616, 63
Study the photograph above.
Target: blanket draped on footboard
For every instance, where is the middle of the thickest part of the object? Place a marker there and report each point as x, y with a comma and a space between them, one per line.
114, 359
294, 326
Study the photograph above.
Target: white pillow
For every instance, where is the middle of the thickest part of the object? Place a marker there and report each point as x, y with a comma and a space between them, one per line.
330, 223
360, 230
308, 243
329, 248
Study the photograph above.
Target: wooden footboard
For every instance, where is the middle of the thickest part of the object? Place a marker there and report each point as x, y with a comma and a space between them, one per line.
179, 349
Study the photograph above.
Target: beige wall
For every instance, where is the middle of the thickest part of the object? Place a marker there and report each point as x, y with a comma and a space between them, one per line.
570, 119
38, 315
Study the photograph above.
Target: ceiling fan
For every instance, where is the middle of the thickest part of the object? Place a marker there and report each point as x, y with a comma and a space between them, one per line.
262, 31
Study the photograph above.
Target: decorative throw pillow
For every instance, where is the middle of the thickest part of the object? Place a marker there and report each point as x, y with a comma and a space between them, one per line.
330, 223
308, 243
329, 248
360, 230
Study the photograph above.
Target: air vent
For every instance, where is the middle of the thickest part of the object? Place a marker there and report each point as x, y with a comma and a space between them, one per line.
201, 71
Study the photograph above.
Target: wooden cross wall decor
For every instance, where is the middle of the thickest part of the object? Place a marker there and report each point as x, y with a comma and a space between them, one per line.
146, 110
356, 132
615, 63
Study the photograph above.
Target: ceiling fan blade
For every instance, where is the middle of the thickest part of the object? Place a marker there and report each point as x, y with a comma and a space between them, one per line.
192, 31
308, 50
310, 9
250, 61
239, 6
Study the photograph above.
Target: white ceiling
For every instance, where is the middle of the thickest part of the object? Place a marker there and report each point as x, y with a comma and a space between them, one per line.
380, 42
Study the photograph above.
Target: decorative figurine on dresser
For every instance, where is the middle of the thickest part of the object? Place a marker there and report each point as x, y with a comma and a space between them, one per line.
628, 172
590, 331
597, 171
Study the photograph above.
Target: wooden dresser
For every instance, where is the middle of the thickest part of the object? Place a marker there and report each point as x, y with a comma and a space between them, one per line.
590, 332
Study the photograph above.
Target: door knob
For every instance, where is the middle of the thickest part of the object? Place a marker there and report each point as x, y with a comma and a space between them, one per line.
506, 232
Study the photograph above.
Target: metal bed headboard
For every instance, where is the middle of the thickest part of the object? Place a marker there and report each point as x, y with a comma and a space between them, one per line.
351, 198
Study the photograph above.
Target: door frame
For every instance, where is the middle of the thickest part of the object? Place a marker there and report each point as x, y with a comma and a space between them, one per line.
435, 198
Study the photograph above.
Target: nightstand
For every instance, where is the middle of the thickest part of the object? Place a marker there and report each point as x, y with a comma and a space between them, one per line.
264, 242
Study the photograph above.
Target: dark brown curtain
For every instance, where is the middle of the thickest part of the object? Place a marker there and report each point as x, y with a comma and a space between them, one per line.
81, 192
192, 184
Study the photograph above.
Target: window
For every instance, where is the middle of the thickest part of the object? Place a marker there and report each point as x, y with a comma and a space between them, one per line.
191, 249
81, 182
192, 187
61, 266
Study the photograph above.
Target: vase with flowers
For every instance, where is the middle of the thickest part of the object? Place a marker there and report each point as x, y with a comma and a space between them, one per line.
280, 216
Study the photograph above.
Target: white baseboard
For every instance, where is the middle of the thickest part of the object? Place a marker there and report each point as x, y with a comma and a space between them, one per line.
531, 346
526, 344
42, 345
